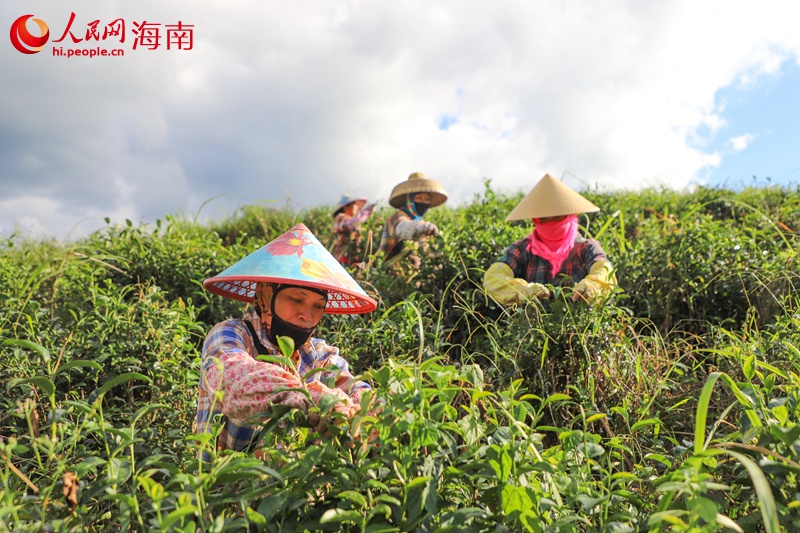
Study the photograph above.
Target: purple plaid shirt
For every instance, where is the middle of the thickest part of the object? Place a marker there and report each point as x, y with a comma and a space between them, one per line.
535, 269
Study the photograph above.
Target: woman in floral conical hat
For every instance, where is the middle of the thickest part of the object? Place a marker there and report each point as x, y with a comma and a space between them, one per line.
292, 282
554, 253
406, 230
348, 216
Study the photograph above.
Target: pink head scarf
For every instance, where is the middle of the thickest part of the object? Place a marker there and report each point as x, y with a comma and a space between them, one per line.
553, 240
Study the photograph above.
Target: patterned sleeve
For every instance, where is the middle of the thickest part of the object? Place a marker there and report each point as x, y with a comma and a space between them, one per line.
345, 224
327, 355
248, 385
338, 223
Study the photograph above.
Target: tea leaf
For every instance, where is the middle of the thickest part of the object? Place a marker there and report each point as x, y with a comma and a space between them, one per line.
118, 380
337, 516
77, 364
749, 367
766, 500
286, 346
45, 384
43, 352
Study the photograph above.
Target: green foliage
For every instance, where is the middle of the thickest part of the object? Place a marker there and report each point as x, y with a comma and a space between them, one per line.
674, 407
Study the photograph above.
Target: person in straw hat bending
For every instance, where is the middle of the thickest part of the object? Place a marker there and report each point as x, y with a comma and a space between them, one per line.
554, 253
292, 282
412, 198
348, 216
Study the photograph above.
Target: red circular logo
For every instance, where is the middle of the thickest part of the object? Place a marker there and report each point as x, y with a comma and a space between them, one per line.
23, 40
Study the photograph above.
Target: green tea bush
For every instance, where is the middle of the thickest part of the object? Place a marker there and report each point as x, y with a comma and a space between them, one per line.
174, 257
674, 407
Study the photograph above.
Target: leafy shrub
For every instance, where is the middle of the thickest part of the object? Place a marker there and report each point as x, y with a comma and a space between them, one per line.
540, 418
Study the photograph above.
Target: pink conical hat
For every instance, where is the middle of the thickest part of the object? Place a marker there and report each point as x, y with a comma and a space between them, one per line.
296, 258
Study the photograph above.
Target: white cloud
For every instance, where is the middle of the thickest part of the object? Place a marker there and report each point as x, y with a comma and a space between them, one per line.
43, 217
314, 98
741, 142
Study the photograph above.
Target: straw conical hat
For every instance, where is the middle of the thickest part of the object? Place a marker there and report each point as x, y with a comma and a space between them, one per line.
551, 198
417, 182
297, 258
345, 200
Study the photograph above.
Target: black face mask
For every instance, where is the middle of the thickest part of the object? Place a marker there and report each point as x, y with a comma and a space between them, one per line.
281, 328
421, 208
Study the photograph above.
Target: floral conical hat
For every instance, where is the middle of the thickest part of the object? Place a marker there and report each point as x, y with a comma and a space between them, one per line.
551, 198
296, 258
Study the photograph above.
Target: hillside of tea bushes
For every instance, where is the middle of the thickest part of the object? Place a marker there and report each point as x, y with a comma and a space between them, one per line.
672, 408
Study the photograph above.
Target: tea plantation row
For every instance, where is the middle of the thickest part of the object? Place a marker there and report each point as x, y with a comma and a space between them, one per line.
672, 408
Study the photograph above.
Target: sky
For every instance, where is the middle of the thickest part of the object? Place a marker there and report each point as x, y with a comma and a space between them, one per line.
295, 103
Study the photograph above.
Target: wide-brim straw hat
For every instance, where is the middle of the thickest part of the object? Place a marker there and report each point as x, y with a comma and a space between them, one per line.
417, 182
295, 258
347, 200
551, 198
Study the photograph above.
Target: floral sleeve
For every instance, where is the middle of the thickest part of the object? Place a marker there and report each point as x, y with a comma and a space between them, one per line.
342, 379
248, 386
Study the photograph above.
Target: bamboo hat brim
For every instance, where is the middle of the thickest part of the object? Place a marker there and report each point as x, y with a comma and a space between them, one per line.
551, 198
295, 258
417, 182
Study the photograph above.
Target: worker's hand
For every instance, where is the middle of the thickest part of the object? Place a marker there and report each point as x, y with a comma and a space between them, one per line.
431, 230
586, 290
297, 400
319, 424
293, 399
344, 405
536, 290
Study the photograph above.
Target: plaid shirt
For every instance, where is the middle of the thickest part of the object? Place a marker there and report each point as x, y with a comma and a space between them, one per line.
391, 243
248, 386
535, 269
398, 242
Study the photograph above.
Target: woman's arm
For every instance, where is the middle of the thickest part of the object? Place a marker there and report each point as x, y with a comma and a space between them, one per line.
345, 386
500, 284
346, 223
598, 284
414, 230
248, 386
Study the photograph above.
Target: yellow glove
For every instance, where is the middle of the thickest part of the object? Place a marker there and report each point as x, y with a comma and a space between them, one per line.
536, 290
597, 284
500, 284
